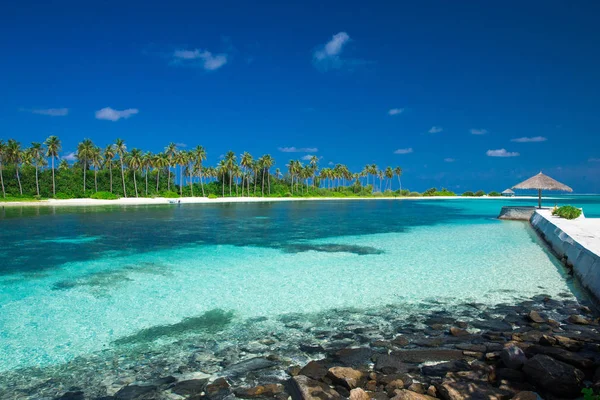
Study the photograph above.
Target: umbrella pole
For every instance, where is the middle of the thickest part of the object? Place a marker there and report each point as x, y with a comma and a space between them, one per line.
539, 198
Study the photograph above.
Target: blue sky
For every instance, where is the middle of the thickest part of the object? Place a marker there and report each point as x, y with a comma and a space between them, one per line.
461, 94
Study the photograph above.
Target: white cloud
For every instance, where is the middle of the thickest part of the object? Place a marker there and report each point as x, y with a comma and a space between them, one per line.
328, 55
502, 153
449, 159
203, 58
70, 157
396, 111
183, 145
478, 131
330, 163
435, 129
111, 114
298, 149
594, 159
404, 151
307, 157
533, 139
52, 112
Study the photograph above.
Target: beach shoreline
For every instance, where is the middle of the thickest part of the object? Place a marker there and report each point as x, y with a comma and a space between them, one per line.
133, 201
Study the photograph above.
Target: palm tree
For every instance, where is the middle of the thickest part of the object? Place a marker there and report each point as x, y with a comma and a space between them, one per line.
198, 156
398, 172
268, 162
121, 150
314, 163
247, 162
389, 174
170, 151
180, 159
221, 169
2, 155
146, 164
230, 160
37, 153
96, 161
53, 147
134, 160
109, 154
15, 155
84, 155
160, 161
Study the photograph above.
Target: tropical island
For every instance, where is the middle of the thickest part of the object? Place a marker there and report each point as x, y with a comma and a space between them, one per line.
40, 172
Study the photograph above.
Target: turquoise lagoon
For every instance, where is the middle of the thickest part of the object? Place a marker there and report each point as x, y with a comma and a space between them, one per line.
82, 285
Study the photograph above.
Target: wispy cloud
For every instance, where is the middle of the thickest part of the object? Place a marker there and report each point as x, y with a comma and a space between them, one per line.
404, 151
435, 129
396, 111
70, 156
110, 114
594, 159
298, 149
52, 112
328, 56
502, 153
307, 157
533, 139
181, 145
449, 159
199, 58
478, 131
330, 163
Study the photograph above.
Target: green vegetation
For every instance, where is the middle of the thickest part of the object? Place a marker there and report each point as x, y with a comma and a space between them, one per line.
40, 171
494, 194
588, 394
468, 194
104, 196
567, 212
213, 196
479, 193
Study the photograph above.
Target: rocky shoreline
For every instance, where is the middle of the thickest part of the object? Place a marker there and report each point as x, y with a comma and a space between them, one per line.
541, 347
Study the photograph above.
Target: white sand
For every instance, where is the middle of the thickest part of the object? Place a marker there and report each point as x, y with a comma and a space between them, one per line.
192, 200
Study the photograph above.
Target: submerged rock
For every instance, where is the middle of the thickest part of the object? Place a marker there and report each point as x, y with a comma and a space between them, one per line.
513, 357
451, 390
304, 388
133, 392
347, 377
252, 364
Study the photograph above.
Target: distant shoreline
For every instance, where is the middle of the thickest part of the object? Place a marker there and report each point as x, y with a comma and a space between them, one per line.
133, 201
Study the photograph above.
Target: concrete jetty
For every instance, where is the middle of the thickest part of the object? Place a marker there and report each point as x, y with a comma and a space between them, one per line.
576, 242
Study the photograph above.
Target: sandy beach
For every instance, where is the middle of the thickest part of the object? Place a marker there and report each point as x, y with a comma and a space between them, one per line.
132, 201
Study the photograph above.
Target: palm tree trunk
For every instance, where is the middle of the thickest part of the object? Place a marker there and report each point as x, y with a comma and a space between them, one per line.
263, 184
157, 178
169, 178
84, 168
269, 181
255, 176
37, 183
146, 181
230, 174
180, 180
292, 175
223, 183
248, 186
19, 180
110, 173
123, 178
2, 181
96, 179
135, 184
201, 183
191, 183
53, 184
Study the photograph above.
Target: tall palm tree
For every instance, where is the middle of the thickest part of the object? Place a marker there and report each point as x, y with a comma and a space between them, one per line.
14, 154
170, 151
53, 147
198, 156
180, 158
398, 173
109, 155
134, 161
96, 161
268, 162
314, 163
221, 170
121, 150
230, 160
84, 155
160, 161
389, 174
37, 153
146, 165
247, 161
2, 157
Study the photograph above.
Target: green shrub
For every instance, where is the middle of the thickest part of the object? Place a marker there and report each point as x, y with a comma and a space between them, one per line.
494, 194
212, 196
479, 193
104, 196
468, 194
37, 197
169, 195
404, 192
567, 212
288, 194
62, 196
588, 394
430, 192
414, 194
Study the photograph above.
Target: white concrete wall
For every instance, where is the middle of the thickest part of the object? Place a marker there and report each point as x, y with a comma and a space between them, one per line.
585, 263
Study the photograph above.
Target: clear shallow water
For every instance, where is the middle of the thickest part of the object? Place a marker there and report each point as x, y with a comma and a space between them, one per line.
74, 282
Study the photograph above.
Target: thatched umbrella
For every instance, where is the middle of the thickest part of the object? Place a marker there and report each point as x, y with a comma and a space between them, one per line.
542, 182
508, 192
